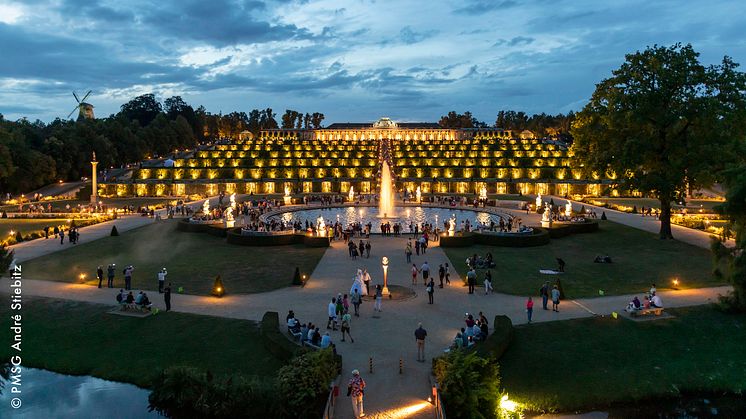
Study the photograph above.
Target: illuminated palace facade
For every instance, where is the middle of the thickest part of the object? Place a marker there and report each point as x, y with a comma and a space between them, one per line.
343, 156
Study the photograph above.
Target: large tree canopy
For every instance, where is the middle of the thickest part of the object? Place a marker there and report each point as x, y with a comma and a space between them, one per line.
663, 123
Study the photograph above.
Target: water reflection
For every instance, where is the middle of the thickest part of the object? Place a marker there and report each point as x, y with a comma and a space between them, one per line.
46, 394
417, 215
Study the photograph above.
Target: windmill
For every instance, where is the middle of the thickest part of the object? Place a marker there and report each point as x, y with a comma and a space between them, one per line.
85, 110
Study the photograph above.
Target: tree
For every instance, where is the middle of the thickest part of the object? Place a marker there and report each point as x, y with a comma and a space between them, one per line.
733, 260
457, 120
143, 109
662, 122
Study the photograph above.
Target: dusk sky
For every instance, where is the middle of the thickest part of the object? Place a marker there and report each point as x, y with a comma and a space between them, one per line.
352, 60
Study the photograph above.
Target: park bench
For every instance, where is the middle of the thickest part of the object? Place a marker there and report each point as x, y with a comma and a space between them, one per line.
645, 311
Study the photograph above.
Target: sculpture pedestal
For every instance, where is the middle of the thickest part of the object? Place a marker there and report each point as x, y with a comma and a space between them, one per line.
230, 223
287, 200
546, 224
385, 291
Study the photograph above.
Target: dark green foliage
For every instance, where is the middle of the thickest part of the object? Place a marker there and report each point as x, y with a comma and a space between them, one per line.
6, 258
275, 341
19, 237
296, 277
114, 231
304, 383
663, 122
186, 392
469, 385
733, 258
499, 340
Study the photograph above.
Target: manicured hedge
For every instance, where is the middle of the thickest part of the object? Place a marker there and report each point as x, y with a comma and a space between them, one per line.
562, 230
274, 340
499, 341
235, 237
459, 240
315, 241
538, 237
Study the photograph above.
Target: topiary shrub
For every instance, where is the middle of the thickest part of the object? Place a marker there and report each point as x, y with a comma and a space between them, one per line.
19, 237
603, 215
296, 277
304, 383
469, 385
114, 231
634, 209
6, 258
582, 209
5, 214
500, 339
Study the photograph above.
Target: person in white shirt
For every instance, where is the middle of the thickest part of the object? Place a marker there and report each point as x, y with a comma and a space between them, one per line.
332, 311
656, 302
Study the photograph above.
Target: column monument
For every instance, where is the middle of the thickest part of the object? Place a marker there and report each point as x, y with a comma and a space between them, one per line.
94, 185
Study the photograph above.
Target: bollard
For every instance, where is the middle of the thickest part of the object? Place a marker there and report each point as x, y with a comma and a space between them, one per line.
370, 365
401, 366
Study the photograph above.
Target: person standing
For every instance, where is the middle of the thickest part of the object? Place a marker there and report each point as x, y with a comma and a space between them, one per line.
62, 236
346, 319
110, 275
448, 274
415, 271
356, 300
487, 283
430, 290
417, 247
331, 311
471, 279
408, 251
355, 389
161, 280
441, 274
419, 335
529, 308
544, 293
167, 296
555, 299
366, 281
379, 298
128, 277
425, 269
367, 250
100, 275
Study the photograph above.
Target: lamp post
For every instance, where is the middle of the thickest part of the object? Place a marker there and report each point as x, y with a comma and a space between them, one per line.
94, 183
385, 265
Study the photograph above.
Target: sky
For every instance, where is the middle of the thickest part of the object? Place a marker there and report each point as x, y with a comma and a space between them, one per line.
353, 60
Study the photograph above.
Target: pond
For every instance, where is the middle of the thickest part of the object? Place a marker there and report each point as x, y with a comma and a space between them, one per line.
405, 215
47, 394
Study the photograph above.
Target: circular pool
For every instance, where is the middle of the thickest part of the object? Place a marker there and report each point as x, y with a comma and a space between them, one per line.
403, 215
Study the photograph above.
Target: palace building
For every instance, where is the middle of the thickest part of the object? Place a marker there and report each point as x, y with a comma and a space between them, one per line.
347, 155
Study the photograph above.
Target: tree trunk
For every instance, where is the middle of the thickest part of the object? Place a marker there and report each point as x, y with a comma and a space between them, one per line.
665, 219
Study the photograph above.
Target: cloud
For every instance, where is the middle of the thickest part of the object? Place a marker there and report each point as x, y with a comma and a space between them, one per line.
478, 7
518, 40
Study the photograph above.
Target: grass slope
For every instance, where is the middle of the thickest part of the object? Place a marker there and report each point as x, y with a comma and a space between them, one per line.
590, 363
82, 339
639, 257
193, 261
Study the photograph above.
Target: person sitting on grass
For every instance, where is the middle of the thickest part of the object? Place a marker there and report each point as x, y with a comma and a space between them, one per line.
303, 333
121, 297
316, 340
130, 299
464, 338
145, 302
294, 326
656, 302
634, 305
458, 341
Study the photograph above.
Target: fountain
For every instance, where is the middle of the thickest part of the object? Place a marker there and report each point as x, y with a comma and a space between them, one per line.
386, 201
418, 195
351, 194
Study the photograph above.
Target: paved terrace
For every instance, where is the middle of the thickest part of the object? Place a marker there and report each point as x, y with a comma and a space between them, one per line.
386, 338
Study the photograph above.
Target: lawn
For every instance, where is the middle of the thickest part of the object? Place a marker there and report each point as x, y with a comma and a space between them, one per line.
26, 226
82, 339
193, 260
590, 363
639, 259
